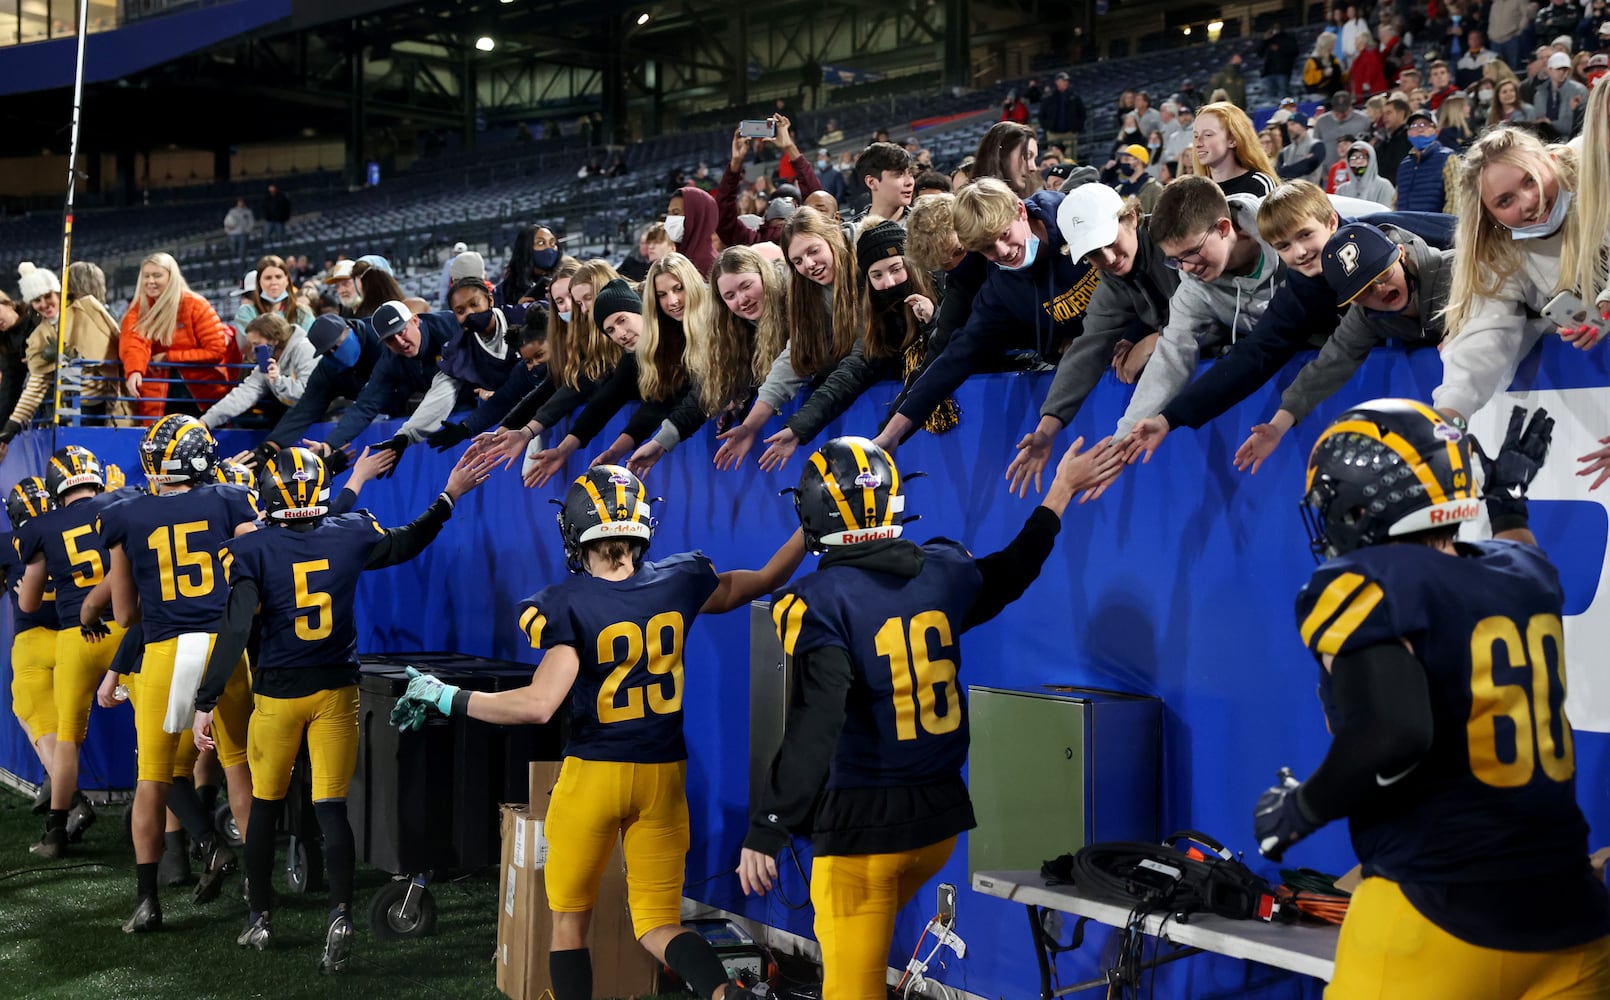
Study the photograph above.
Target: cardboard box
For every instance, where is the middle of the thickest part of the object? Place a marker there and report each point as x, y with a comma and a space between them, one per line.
515, 877
621, 968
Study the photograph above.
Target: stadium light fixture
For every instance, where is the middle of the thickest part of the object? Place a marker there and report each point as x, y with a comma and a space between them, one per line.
1214, 27
642, 19
1187, 29
485, 43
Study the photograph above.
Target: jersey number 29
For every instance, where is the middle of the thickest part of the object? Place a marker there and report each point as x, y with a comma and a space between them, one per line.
662, 640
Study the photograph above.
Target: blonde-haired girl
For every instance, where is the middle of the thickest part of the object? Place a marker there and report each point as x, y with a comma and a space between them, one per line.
823, 305
167, 323
1519, 245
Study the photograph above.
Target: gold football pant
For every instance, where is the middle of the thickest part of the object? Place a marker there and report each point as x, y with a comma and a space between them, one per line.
597, 801
80, 665
33, 681
856, 898
330, 720
165, 755
1388, 950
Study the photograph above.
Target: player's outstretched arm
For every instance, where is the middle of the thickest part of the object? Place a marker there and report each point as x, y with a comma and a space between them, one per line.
533, 704
1382, 729
398, 545
738, 587
1008, 573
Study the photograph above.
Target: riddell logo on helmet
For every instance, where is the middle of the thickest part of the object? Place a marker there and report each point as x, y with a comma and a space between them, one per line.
1449, 515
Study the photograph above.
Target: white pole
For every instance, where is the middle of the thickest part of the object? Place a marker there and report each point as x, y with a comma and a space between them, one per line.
67, 212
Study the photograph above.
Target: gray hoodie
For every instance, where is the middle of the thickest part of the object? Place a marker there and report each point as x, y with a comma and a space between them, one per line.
1205, 314
1361, 330
1372, 186
1133, 305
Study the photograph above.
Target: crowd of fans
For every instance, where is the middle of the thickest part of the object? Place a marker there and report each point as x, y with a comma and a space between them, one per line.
1437, 190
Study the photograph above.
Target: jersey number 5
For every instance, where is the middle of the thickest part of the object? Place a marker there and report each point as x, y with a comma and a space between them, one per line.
94, 568
1517, 720
663, 641
173, 554
316, 603
917, 677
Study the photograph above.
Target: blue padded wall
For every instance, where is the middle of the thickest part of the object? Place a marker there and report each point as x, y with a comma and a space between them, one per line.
1179, 583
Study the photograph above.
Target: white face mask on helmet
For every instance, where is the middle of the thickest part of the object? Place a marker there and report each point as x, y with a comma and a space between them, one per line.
674, 227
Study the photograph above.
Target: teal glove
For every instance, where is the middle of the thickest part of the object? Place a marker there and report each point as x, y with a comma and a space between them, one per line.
409, 715
427, 689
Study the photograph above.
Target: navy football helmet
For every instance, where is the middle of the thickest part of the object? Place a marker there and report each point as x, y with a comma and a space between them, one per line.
849, 493
606, 501
1386, 468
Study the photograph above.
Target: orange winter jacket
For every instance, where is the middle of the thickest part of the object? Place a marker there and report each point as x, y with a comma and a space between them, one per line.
198, 338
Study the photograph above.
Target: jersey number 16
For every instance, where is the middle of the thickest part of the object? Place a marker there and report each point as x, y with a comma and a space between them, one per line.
917, 676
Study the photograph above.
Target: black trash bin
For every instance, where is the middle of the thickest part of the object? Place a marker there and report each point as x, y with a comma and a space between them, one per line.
428, 800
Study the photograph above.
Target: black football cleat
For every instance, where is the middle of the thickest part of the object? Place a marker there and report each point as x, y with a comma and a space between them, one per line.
81, 818
259, 933
42, 798
221, 862
147, 917
337, 946
52, 845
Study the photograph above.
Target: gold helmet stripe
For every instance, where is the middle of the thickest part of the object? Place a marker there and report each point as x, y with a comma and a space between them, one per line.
869, 494
278, 479
596, 497
1456, 458
819, 462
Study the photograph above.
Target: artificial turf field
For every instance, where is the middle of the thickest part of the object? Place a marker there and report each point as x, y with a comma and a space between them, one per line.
62, 932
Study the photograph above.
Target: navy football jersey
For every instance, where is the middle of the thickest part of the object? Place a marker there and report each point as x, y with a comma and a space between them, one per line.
306, 582
11, 570
75, 559
172, 544
626, 704
1495, 797
905, 715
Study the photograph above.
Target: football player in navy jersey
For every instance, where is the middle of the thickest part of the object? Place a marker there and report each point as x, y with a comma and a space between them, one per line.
614, 636
303, 570
62, 551
876, 731
33, 646
163, 573
1442, 676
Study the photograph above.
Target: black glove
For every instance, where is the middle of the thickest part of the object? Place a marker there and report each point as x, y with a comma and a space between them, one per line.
95, 632
446, 436
1507, 475
9, 431
261, 455
397, 445
337, 460
1278, 820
